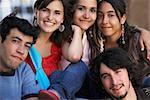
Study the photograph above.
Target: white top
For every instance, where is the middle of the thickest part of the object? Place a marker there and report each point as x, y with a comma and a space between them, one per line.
85, 57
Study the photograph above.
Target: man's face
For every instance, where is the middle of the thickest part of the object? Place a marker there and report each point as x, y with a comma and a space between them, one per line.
14, 50
116, 83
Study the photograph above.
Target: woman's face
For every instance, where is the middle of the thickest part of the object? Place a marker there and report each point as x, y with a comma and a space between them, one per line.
108, 22
50, 18
85, 13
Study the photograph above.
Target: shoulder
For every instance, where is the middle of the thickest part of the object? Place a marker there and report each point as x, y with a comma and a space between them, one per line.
134, 34
24, 66
24, 69
134, 29
143, 93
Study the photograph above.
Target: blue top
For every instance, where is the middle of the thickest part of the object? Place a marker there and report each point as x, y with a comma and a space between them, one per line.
18, 84
40, 75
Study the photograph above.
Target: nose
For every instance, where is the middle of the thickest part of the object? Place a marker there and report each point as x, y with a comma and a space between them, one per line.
86, 14
21, 49
104, 20
50, 16
114, 80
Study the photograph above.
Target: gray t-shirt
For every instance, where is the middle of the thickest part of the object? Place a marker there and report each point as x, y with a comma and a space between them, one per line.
18, 84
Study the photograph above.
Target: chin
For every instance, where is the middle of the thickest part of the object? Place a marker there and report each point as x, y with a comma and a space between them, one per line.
120, 96
84, 28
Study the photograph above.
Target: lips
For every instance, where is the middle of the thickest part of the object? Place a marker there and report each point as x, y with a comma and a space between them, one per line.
116, 88
17, 57
105, 27
48, 23
85, 20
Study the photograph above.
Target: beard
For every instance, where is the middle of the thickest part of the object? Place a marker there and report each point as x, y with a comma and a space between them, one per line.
120, 97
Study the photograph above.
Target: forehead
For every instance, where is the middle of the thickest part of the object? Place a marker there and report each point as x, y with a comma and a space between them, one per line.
87, 3
55, 5
14, 32
104, 68
105, 7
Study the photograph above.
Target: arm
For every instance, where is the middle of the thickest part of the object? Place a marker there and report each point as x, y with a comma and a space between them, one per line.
73, 51
145, 41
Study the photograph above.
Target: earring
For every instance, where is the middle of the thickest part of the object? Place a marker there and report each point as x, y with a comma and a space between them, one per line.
35, 22
61, 28
90, 32
101, 42
122, 34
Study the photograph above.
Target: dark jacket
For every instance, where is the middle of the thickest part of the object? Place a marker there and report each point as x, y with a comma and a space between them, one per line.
92, 89
142, 64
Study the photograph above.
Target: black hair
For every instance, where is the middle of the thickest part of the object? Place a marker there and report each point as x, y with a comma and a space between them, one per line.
114, 58
39, 4
10, 22
120, 9
69, 13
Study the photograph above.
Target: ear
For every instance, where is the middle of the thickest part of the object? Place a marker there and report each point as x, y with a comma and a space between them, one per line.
35, 13
0, 39
123, 19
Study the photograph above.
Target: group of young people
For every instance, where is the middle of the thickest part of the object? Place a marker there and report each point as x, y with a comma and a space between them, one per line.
70, 35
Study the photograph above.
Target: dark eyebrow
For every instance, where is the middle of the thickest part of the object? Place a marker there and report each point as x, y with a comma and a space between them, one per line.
17, 38
58, 11
103, 74
85, 6
44, 9
80, 6
107, 12
31, 43
111, 12
21, 40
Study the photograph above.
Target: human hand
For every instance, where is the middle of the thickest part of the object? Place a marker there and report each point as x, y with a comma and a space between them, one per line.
77, 30
145, 41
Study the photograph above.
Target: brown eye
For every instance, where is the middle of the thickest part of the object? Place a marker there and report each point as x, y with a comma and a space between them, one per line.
80, 8
110, 15
28, 46
15, 41
93, 10
100, 15
57, 12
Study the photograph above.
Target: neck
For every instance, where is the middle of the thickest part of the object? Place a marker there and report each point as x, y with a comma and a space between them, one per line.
110, 44
43, 44
111, 41
44, 37
4, 69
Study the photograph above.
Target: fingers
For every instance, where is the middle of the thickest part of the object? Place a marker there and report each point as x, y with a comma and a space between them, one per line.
142, 44
77, 29
145, 41
148, 52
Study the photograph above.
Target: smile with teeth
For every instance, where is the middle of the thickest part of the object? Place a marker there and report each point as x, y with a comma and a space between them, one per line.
48, 23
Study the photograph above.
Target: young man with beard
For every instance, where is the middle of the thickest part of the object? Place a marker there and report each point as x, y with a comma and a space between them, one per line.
17, 80
112, 70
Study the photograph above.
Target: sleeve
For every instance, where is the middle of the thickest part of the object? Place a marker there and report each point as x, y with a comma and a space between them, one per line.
29, 86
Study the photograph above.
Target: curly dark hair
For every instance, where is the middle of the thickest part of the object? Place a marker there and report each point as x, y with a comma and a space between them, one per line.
10, 22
